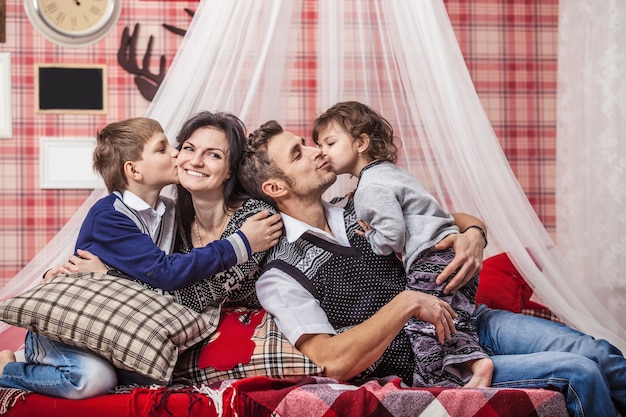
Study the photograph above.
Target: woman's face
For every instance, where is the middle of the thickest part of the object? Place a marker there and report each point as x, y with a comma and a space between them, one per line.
203, 161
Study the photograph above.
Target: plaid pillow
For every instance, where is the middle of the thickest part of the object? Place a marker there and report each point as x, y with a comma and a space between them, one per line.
134, 328
272, 355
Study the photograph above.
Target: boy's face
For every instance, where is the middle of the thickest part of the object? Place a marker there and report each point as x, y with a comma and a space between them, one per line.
158, 163
339, 149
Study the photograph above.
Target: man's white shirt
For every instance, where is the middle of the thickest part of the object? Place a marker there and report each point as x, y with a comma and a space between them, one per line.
296, 310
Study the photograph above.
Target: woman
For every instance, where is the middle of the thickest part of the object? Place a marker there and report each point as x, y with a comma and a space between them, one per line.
211, 204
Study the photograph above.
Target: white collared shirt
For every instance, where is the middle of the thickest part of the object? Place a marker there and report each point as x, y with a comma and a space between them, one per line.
296, 310
150, 216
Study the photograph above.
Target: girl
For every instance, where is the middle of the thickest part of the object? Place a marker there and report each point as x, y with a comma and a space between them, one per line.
398, 215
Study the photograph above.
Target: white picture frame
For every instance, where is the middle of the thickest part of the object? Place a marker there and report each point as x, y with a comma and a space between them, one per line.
66, 163
6, 105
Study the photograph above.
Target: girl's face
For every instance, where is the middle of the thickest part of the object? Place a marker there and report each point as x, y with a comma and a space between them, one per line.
340, 150
203, 161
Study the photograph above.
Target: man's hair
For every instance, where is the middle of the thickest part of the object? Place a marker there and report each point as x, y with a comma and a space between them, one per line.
235, 131
357, 119
256, 166
118, 143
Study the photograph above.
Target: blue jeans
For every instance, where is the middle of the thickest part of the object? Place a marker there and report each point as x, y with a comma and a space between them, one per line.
531, 352
59, 370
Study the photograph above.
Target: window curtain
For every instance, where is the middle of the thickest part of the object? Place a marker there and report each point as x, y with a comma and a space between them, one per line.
401, 58
591, 151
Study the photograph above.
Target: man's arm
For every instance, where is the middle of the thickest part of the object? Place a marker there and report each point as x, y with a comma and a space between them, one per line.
345, 355
468, 247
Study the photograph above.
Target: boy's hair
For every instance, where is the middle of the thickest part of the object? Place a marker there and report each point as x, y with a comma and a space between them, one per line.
118, 143
235, 131
357, 119
256, 166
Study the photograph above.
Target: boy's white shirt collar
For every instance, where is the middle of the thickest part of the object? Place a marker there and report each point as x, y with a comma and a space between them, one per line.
133, 201
150, 216
295, 228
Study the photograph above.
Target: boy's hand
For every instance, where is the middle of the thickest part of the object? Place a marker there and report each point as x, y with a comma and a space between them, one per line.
262, 230
85, 262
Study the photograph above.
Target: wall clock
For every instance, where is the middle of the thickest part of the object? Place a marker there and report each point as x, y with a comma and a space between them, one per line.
73, 22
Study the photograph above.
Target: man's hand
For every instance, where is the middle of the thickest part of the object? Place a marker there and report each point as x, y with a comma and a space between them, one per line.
468, 259
433, 310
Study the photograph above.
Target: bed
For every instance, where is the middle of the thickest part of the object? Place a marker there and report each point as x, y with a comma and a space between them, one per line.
275, 379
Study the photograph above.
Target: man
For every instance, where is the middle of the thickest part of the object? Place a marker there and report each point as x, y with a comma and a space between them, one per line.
344, 306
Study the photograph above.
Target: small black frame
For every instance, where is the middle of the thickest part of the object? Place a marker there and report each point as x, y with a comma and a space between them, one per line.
71, 88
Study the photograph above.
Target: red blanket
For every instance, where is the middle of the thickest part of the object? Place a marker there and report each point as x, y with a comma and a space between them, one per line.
306, 397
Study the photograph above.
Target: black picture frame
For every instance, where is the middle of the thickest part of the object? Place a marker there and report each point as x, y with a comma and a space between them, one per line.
71, 89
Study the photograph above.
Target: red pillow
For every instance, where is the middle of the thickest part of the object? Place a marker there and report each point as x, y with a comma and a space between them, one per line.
501, 285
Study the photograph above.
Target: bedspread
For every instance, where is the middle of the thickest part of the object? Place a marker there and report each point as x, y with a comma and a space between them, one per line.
305, 397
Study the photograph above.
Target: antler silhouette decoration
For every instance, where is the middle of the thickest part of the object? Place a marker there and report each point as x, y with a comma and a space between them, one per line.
179, 31
147, 82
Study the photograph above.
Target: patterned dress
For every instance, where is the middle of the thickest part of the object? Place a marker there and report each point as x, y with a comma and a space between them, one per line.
234, 286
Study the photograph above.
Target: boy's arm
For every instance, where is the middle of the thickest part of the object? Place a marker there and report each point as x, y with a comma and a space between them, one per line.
117, 241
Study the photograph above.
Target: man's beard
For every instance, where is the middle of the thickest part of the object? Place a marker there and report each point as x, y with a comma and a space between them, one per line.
315, 191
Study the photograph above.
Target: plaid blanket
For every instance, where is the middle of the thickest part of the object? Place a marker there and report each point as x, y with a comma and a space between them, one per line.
305, 397
323, 397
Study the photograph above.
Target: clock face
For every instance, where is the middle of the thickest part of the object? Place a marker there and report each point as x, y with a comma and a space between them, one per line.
75, 16
73, 22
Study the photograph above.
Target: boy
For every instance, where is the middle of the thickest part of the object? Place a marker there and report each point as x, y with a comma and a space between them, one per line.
136, 161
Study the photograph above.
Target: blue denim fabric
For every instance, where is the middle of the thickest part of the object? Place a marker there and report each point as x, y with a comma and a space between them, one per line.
531, 352
59, 370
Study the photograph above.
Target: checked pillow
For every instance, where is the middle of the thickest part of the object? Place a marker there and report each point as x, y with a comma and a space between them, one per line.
120, 320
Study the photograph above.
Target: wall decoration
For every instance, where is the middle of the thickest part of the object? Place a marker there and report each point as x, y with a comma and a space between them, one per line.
66, 163
147, 82
3, 21
71, 88
176, 30
6, 106
73, 23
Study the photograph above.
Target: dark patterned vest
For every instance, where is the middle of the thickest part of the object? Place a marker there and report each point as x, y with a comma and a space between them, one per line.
351, 283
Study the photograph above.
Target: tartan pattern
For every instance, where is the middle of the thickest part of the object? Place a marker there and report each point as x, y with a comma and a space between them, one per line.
324, 397
544, 313
309, 396
273, 356
132, 327
509, 47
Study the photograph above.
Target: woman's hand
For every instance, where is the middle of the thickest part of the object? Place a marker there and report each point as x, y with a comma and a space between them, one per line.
262, 230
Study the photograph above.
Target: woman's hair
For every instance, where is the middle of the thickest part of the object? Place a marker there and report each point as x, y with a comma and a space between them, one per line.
256, 166
118, 143
358, 119
235, 131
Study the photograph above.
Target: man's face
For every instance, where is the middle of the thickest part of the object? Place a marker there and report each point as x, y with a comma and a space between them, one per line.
309, 173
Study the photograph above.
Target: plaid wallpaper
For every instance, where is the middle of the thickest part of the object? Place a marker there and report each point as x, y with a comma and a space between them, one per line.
509, 45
